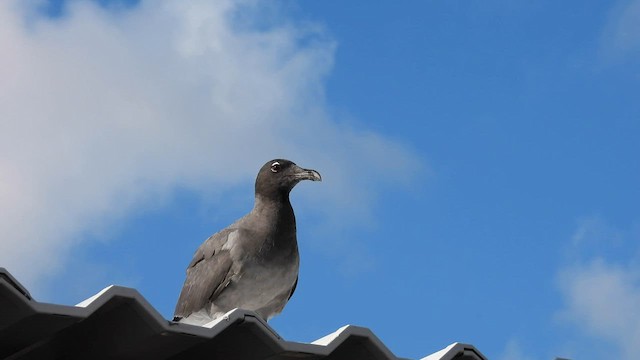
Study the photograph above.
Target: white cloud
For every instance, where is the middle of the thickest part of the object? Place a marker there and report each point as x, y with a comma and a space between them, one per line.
102, 112
602, 297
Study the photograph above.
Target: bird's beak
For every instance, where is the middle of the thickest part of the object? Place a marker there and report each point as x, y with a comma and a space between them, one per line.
306, 174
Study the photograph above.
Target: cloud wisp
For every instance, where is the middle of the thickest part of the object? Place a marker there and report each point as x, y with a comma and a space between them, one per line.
513, 351
102, 112
621, 34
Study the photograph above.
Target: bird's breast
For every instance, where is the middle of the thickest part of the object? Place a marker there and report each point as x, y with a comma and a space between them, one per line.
262, 287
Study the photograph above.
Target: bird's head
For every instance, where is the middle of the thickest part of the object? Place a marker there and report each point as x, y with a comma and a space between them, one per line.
277, 177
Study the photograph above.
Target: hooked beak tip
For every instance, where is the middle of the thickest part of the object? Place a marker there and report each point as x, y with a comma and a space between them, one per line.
315, 176
308, 174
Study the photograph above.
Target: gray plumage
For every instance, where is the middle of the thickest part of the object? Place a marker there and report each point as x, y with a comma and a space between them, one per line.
253, 263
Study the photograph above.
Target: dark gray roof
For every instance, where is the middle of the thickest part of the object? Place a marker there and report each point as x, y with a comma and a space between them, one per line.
118, 323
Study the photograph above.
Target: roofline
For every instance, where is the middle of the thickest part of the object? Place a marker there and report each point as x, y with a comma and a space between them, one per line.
17, 296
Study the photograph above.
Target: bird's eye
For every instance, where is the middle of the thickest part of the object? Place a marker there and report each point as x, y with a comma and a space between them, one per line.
275, 167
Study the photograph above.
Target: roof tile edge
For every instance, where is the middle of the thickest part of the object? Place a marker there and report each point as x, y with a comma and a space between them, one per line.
321, 347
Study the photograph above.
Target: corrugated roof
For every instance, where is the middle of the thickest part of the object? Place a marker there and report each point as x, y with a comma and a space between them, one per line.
118, 323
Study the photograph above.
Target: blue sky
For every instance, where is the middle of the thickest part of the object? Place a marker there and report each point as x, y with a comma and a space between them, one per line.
479, 158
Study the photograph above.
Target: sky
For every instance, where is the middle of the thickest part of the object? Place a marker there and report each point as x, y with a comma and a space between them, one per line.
479, 160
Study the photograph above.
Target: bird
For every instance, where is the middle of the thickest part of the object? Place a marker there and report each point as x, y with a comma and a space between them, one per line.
253, 263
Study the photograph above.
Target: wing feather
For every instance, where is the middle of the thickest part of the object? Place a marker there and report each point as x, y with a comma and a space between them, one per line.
208, 274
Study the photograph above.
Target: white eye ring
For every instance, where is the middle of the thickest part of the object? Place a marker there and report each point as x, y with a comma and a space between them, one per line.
275, 167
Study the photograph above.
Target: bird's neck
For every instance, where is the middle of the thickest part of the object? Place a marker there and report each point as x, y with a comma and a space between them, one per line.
274, 209
276, 216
